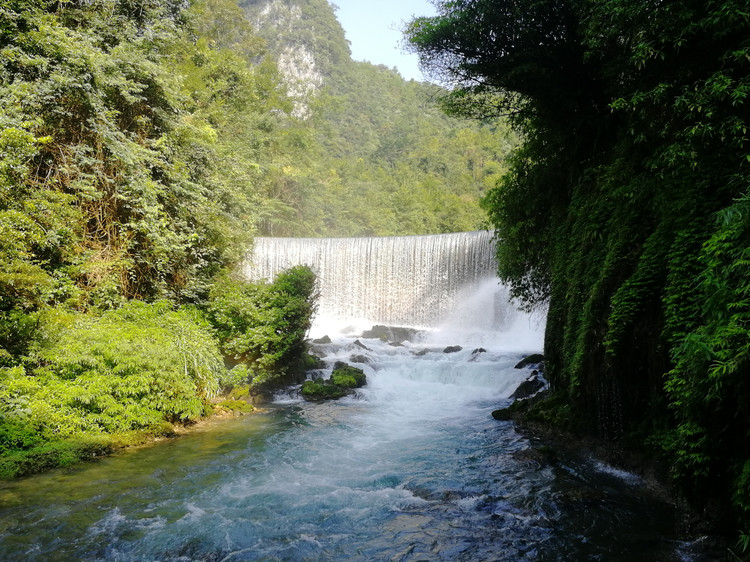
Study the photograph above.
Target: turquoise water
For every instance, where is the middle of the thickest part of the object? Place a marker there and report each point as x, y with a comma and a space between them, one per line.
411, 468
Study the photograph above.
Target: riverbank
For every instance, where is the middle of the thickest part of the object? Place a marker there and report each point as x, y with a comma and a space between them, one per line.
553, 441
69, 452
411, 465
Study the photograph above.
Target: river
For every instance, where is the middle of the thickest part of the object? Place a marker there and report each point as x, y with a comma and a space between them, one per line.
413, 467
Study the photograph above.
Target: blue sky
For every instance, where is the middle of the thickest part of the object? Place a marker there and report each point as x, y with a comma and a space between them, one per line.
373, 28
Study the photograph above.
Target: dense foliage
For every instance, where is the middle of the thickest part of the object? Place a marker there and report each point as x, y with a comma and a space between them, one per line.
142, 144
132, 368
97, 379
626, 208
262, 327
115, 184
130, 136
94, 381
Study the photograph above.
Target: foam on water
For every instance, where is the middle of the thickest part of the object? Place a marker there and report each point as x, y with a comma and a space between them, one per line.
412, 467
442, 284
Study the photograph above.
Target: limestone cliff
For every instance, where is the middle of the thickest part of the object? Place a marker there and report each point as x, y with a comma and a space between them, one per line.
305, 38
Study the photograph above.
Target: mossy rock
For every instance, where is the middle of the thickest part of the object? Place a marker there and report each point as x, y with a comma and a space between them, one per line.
318, 390
313, 362
348, 376
237, 406
341, 379
546, 408
240, 392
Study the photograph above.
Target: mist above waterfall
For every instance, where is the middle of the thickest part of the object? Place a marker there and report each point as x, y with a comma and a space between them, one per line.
444, 282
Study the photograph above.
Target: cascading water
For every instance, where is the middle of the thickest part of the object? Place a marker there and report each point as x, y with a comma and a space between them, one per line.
397, 280
412, 467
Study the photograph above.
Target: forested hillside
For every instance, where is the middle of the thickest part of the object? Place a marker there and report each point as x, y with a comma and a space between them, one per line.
379, 157
628, 208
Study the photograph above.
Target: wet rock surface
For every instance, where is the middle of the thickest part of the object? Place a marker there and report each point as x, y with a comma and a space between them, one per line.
322, 341
529, 387
390, 334
532, 360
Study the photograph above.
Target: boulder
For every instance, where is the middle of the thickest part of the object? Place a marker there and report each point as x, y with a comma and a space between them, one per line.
390, 334
344, 374
344, 379
313, 362
503, 414
322, 390
452, 349
476, 353
323, 340
531, 360
529, 387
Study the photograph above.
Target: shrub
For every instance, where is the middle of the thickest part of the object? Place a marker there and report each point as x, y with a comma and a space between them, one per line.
264, 325
129, 369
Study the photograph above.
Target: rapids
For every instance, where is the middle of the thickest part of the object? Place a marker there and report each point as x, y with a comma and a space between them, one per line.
411, 468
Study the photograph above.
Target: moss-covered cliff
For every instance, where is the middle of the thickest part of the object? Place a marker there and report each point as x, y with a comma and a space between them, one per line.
627, 210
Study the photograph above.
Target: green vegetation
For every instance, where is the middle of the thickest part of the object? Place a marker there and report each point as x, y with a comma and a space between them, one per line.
130, 136
348, 376
236, 406
380, 156
97, 380
93, 382
343, 379
142, 146
263, 327
322, 390
627, 208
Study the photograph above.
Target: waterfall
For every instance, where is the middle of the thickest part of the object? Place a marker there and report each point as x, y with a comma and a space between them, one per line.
395, 280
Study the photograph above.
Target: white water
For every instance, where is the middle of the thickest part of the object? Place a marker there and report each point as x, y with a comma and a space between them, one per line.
411, 468
395, 280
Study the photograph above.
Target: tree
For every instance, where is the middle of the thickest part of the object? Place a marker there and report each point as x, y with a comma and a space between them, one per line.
131, 135
367, 158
